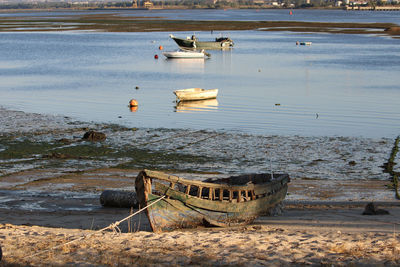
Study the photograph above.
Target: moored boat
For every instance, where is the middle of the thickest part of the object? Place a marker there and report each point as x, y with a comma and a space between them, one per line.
186, 54
174, 202
195, 94
303, 43
194, 43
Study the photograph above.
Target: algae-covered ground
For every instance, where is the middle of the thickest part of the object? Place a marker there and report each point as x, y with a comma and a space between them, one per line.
46, 142
40, 151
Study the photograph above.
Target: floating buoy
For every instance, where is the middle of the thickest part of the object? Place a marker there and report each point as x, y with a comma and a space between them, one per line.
156, 56
133, 109
160, 47
137, 87
291, 12
133, 103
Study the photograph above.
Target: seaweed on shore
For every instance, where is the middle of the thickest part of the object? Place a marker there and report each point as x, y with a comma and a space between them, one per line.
85, 155
388, 167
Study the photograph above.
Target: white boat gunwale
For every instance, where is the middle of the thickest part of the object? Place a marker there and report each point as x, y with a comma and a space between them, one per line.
182, 53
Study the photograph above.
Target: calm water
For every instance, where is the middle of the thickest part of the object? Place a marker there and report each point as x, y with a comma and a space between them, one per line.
342, 85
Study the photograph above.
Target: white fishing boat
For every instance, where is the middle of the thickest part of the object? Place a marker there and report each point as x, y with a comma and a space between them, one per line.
186, 54
195, 94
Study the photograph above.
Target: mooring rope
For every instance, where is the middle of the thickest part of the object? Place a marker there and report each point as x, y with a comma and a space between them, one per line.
180, 135
198, 141
167, 138
112, 226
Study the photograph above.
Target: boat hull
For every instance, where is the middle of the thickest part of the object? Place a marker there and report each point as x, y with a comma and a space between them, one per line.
175, 203
192, 94
195, 44
184, 54
171, 214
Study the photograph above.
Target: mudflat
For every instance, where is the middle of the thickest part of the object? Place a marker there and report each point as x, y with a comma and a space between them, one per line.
115, 23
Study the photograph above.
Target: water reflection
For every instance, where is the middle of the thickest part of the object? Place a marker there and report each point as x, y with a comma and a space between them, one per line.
186, 65
197, 105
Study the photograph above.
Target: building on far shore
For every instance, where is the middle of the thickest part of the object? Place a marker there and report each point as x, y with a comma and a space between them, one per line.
148, 4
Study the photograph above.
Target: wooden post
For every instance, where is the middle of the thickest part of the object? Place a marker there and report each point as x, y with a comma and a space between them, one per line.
221, 194
199, 192
253, 196
187, 189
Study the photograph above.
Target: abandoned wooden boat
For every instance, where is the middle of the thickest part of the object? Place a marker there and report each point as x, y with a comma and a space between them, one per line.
195, 94
182, 203
186, 54
194, 43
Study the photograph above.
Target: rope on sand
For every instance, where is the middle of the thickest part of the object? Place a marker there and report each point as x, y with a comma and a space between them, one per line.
180, 135
113, 226
198, 141
167, 138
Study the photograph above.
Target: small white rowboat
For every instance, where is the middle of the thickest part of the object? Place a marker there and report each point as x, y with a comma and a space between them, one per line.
195, 94
186, 54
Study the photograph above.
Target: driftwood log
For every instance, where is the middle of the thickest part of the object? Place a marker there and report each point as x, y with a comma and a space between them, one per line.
119, 199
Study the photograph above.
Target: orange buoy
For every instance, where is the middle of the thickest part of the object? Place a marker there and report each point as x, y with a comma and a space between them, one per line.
156, 56
133, 103
160, 47
133, 109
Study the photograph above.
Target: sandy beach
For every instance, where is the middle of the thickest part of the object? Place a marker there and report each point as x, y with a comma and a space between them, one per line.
316, 235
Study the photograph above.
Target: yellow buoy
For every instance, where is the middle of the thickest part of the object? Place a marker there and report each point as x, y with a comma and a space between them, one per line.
133, 103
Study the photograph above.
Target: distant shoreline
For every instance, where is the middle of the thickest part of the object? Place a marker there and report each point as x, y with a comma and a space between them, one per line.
115, 23
2, 9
